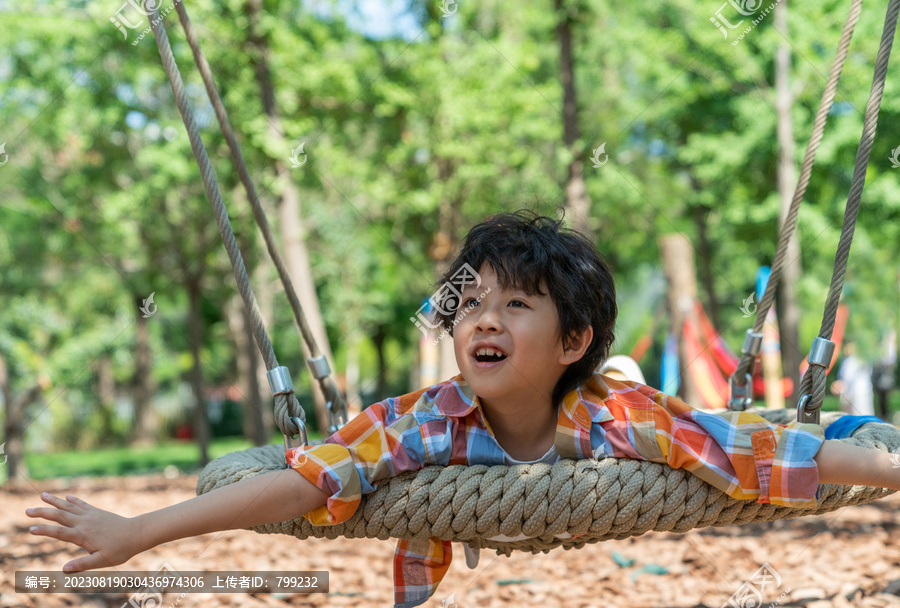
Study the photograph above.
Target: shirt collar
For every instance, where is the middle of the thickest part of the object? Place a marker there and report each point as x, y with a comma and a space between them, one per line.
584, 405
456, 398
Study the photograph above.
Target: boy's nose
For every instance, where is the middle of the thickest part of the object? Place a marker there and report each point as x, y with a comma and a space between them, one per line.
488, 320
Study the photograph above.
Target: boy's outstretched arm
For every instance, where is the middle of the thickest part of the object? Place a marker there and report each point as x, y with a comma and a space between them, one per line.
111, 539
842, 463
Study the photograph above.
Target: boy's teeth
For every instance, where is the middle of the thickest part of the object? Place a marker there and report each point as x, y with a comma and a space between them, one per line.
489, 355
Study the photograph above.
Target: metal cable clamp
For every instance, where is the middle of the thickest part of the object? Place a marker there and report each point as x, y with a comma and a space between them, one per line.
319, 367
820, 353
321, 370
741, 397
336, 419
281, 384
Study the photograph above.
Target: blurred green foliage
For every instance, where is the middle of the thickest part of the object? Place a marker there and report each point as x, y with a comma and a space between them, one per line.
102, 202
129, 461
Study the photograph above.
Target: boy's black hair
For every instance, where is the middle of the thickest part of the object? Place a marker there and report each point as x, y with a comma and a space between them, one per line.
526, 250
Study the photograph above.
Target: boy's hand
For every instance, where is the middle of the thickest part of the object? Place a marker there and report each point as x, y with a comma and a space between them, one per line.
109, 538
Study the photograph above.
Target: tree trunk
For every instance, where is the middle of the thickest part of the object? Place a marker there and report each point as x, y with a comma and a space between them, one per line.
258, 416
144, 430
352, 374
443, 248
428, 372
678, 263
701, 213
195, 335
448, 366
12, 450
290, 220
578, 203
771, 363
248, 362
106, 394
381, 385
788, 310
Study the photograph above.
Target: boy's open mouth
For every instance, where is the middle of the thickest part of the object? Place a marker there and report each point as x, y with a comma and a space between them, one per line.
489, 355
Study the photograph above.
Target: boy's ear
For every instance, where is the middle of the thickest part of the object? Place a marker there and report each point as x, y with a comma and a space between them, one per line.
577, 346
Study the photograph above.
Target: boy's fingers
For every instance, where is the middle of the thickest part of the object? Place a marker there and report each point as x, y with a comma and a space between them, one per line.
59, 503
66, 534
60, 517
89, 562
77, 502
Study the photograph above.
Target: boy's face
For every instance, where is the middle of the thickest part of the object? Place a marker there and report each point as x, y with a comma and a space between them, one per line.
523, 332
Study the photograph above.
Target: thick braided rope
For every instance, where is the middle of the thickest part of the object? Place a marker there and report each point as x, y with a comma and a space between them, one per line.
283, 402
591, 500
813, 382
790, 221
326, 384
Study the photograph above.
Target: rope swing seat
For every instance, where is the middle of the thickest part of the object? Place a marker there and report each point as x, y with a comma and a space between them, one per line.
538, 507
585, 500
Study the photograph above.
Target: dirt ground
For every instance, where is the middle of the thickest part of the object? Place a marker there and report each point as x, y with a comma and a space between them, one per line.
853, 553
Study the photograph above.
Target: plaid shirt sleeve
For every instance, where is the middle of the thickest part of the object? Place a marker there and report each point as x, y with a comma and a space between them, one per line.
381, 442
385, 440
740, 453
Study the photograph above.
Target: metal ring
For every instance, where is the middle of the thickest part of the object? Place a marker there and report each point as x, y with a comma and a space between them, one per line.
341, 416
741, 396
301, 435
805, 413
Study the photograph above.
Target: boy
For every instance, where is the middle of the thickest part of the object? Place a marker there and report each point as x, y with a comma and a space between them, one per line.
527, 334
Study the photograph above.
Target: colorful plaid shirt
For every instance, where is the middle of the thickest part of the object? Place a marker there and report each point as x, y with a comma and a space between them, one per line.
737, 452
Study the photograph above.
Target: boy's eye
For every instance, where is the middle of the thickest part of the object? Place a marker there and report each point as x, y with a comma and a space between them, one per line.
469, 302
519, 302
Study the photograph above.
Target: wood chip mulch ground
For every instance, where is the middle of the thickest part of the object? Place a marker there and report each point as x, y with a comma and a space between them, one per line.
847, 558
